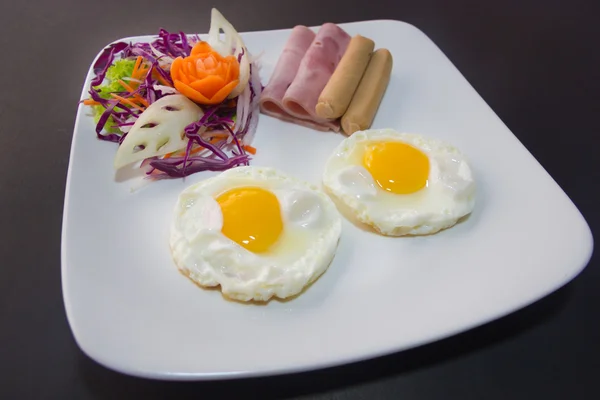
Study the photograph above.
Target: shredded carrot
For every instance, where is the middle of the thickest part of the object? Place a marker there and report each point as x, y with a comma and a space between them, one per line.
126, 86
139, 69
137, 75
90, 102
126, 101
142, 100
163, 80
131, 86
196, 150
250, 149
141, 72
135, 96
138, 61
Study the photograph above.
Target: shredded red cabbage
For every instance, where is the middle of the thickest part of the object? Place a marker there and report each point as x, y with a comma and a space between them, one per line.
239, 58
215, 118
111, 137
172, 167
105, 60
174, 44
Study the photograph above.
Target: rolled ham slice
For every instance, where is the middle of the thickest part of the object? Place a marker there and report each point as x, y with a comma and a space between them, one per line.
302, 71
286, 69
317, 66
271, 99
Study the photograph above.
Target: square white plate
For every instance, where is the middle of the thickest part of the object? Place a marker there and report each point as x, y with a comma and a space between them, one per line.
132, 311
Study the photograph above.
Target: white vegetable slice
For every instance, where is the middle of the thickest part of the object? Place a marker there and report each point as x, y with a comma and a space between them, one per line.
158, 130
231, 45
165, 89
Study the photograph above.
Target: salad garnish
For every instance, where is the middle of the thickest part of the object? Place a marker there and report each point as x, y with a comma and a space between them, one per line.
178, 104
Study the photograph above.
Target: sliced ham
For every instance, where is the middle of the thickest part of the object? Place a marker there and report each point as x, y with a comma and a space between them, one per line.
302, 71
286, 68
317, 66
271, 99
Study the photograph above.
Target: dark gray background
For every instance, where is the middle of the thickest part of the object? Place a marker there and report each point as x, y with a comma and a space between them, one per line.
537, 64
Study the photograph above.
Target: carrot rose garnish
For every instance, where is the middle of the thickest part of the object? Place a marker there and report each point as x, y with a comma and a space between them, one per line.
205, 76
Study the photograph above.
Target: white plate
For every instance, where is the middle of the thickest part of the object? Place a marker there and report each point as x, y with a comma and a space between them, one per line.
132, 311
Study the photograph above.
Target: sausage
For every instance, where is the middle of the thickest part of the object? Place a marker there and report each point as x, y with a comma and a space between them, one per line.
337, 94
369, 93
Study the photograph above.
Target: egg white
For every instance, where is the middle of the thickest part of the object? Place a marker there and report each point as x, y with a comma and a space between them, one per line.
312, 227
448, 196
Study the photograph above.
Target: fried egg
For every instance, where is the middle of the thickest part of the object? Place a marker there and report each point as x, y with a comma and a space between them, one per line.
254, 231
400, 183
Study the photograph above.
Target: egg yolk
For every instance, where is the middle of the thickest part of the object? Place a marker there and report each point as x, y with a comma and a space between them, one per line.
397, 167
251, 217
